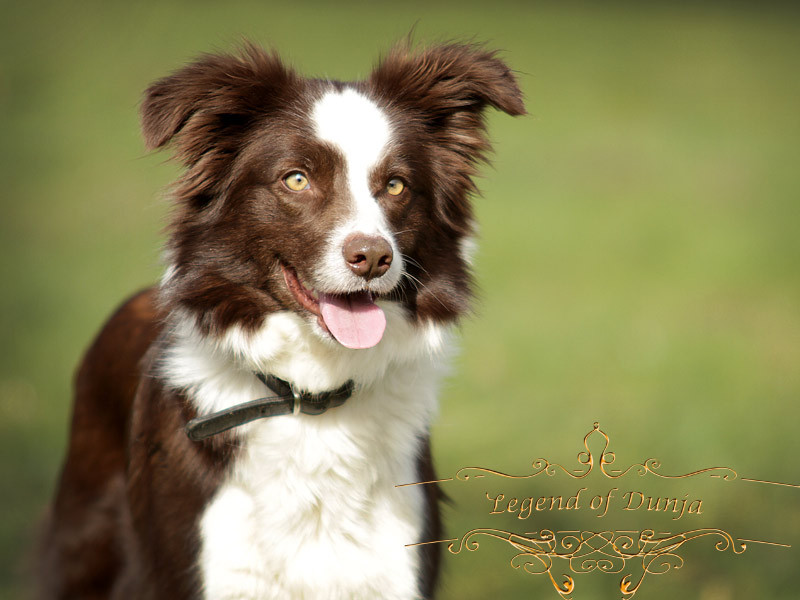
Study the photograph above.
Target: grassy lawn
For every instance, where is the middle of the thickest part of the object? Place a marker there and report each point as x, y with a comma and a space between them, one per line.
639, 253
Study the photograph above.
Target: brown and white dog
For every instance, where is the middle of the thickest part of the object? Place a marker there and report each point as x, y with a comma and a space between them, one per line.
321, 237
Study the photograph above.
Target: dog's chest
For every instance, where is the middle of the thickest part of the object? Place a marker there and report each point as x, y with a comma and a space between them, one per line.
310, 508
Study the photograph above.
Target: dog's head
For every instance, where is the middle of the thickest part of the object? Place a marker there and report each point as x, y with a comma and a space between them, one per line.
320, 197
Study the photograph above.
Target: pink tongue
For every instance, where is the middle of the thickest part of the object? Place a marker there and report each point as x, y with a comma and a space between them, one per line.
353, 319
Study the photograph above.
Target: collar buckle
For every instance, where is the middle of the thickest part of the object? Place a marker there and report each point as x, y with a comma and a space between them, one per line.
297, 404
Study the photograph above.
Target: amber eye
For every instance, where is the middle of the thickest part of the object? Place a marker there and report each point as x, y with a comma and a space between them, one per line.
395, 187
296, 181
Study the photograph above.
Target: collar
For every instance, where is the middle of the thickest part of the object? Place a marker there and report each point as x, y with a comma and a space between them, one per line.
286, 401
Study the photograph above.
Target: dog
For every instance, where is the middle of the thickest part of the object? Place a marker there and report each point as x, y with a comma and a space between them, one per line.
240, 429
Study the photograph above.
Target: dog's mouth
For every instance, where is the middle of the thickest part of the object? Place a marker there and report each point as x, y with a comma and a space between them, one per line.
353, 320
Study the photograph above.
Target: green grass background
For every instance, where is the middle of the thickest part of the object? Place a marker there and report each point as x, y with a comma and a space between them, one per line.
639, 253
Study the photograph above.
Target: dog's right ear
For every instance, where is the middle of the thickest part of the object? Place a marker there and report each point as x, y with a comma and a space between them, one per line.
215, 95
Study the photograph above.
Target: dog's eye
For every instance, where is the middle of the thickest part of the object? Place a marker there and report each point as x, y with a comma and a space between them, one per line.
296, 181
395, 187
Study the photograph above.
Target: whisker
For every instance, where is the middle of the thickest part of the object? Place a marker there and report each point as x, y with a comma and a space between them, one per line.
415, 263
422, 285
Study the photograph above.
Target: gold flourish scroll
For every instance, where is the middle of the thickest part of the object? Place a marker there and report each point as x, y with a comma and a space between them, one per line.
587, 461
633, 554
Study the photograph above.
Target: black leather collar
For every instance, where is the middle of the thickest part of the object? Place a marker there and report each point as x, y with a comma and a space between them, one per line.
286, 401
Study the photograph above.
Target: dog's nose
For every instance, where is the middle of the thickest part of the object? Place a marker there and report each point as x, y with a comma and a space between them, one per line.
369, 256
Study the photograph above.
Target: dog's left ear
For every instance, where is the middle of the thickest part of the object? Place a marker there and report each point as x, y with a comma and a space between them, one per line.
446, 90
444, 80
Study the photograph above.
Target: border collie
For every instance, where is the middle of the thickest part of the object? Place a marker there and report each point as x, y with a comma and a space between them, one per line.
239, 430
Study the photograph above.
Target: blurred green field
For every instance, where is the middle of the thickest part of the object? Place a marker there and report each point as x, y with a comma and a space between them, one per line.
639, 253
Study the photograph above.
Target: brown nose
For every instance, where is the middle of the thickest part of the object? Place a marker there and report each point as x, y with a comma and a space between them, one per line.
369, 256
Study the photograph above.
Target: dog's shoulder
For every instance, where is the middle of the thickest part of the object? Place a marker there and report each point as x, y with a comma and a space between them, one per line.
112, 365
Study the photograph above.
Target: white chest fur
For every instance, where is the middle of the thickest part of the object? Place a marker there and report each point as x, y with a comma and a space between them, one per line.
309, 509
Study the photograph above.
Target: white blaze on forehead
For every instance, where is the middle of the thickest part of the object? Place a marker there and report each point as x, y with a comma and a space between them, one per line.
360, 130
356, 125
